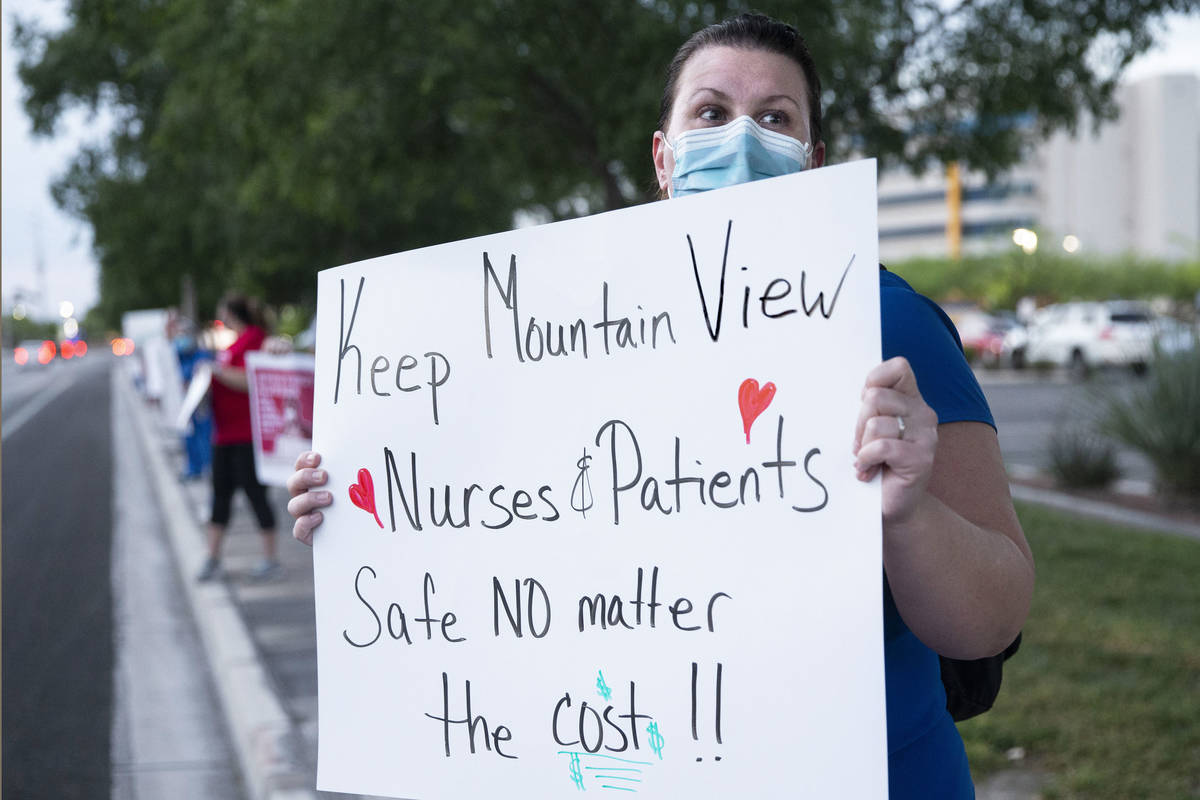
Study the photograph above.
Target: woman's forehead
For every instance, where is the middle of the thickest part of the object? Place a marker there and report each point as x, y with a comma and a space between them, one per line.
741, 74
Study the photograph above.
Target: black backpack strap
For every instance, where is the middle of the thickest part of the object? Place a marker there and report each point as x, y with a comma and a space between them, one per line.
972, 686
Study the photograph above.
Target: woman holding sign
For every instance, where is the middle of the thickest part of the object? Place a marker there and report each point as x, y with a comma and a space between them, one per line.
742, 102
233, 452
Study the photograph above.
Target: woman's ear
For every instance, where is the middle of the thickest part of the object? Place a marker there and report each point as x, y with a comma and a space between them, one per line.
818, 155
660, 152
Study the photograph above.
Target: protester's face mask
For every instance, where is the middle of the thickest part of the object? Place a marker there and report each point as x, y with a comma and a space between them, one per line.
736, 152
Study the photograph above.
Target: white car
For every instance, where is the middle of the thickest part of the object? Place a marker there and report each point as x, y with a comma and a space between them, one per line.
1085, 335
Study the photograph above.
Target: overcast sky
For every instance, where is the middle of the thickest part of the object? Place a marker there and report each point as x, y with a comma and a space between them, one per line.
35, 230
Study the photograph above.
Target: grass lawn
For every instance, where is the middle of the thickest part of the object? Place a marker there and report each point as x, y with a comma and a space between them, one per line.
1104, 695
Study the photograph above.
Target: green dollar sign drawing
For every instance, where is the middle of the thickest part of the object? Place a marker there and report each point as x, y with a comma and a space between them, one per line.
656, 739
601, 687
576, 774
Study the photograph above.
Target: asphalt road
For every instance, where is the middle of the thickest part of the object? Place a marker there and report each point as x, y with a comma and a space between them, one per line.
57, 598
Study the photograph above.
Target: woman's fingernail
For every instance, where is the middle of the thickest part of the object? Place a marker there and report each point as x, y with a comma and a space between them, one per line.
319, 475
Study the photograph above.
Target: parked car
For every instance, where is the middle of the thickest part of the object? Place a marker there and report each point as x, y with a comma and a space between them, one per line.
1013, 348
1084, 335
979, 331
34, 352
991, 345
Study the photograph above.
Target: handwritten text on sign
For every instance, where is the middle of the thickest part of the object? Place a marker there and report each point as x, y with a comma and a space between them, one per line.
596, 526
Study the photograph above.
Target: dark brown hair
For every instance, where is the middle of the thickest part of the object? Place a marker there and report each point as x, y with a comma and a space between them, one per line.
242, 308
749, 32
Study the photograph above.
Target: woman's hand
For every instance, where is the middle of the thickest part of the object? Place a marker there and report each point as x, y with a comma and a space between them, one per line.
277, 345
896, 433
307, 500
957, 562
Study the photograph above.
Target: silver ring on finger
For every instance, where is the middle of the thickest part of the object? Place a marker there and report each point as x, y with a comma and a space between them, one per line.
902, 426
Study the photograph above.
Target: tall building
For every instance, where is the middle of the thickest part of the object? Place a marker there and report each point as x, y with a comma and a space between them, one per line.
1133, 185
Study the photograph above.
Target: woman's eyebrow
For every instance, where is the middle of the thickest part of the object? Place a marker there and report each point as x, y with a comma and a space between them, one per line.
720, 95
726, 98
777, 97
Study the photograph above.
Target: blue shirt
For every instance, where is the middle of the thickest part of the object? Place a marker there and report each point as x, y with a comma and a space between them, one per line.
926, 758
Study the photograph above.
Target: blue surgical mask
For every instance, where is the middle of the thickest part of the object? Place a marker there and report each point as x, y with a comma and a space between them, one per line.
736, 152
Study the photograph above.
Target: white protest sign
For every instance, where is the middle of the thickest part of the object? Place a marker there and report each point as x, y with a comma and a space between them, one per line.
281, 412
196, 392
596, 525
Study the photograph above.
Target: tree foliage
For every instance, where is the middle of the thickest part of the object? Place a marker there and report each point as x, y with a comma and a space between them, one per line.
257, 142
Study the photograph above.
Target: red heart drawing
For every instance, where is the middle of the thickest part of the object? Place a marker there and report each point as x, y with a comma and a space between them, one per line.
362, 494
753, 401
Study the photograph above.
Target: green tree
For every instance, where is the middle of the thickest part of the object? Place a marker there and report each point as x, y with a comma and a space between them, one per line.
16, 329
256, 143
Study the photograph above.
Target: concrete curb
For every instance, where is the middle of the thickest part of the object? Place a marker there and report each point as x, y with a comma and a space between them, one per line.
1107, 512
264, 738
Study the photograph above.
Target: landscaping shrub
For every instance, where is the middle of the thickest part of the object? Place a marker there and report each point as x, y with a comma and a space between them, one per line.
1081, 459
1160, 417
999, 280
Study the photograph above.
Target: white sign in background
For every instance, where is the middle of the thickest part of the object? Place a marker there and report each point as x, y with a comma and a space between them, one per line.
281, 389
557, 561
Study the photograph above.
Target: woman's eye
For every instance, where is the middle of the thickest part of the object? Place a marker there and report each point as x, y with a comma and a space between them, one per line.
712, 114
774, 118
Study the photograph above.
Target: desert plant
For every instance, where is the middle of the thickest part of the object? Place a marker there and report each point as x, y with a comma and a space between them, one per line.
1160, 417
1079, 458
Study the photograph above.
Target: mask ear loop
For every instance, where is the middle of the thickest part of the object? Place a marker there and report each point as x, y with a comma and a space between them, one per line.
807, 148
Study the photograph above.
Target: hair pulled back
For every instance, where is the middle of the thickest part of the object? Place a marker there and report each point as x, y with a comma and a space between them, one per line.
242, 308
749, 32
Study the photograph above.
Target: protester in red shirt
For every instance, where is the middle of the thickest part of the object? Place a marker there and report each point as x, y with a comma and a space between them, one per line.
233, 451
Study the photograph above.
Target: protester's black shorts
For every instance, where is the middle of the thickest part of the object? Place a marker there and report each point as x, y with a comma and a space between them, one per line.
233, 468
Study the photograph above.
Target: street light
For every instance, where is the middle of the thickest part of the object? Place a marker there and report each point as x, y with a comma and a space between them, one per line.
1026, 239
1071, 243
70, 328
66, 309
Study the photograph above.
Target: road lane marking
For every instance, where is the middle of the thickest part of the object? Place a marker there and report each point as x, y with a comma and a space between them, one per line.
14, 421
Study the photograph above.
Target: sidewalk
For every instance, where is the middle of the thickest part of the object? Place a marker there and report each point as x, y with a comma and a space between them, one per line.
261, 636
278, 613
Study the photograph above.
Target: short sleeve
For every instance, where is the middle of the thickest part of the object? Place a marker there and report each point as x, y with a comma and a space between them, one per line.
915, 327
251, 339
